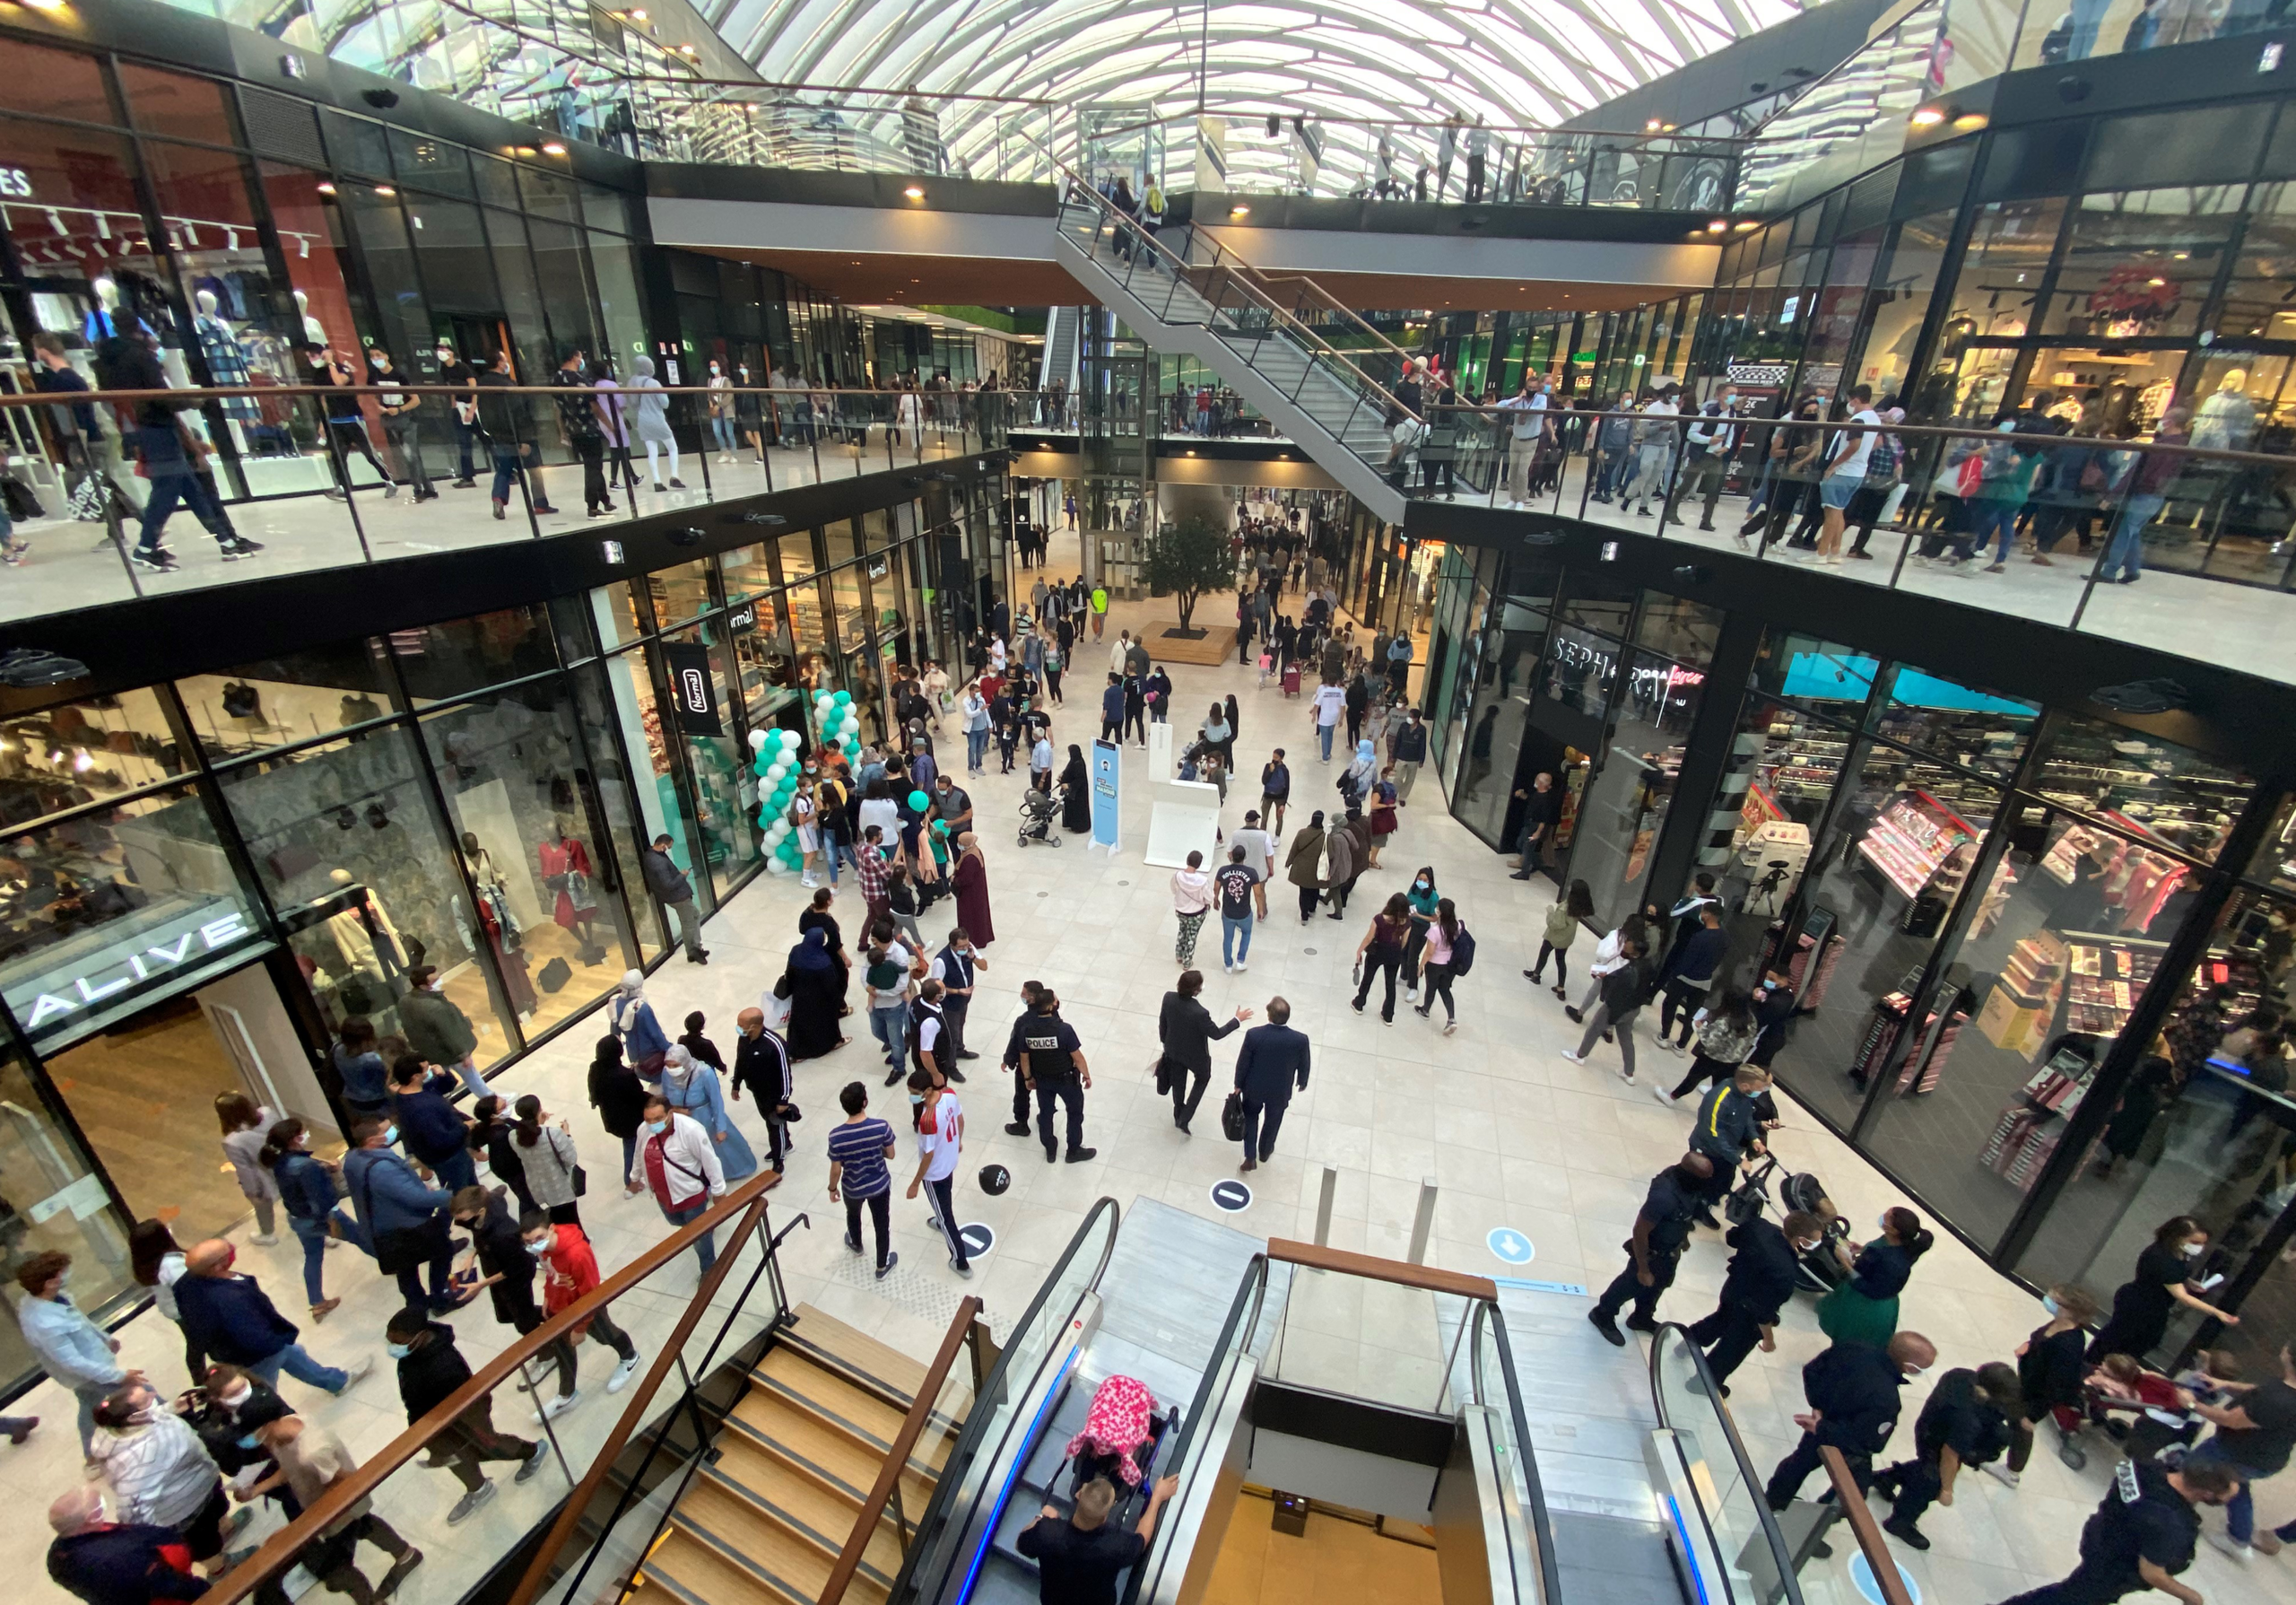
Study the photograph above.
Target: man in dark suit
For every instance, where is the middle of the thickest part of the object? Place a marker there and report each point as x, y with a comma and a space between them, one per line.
1273, 1061
1761, 1279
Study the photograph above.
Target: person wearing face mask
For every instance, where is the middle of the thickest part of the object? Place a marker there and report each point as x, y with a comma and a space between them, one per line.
1763, 1275
721, 410
1407, 748
401, 1220
678, 1164
1852, 1391
1864, 1308
310, 1460
586, 438
1661, 1231
232, 1398
463, 410
570, 1272
430, 1369
2145, 1533
401, 431
434, 1133
2050, 1376
228, 1314
2143, 1304
160, 1474
307, 1187
74, 1350
1963, 1422
437, 1029
502, 1262
108, 1562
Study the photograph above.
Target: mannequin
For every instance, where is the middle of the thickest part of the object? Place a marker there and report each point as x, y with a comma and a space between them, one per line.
2227, 420
565, 865
499, 925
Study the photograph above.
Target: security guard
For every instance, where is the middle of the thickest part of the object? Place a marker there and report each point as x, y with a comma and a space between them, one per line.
1661, 1227
1853, 1395
1052, 1063
1030, 991
1965, 1422
1761, 1277
2142, 1535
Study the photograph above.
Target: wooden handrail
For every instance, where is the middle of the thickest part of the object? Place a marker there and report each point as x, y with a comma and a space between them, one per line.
1851, 1499
280, 1550
1370, 1265
928, 1392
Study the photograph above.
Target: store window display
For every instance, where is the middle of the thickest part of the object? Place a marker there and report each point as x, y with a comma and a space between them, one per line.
507, 766
725, 790
51, 1199
2161, 789
343, 837
65, 756
2205, 1127
620, 828
280, 701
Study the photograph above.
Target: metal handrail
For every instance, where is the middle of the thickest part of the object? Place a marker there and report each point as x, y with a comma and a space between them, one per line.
280, 1550
1542, 1527
1850, 1500
920, 1409
969, 1441
1746, 1475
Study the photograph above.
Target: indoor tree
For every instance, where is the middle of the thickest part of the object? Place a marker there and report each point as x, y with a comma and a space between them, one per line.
1186, 557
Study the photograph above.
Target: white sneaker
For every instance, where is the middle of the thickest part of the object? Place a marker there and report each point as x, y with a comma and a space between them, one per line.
1239, 967
2001, 1472
1666, 1098
558, 1407
1572, 1057
2225, 1541
621, 1375
357, 1373
265, 1240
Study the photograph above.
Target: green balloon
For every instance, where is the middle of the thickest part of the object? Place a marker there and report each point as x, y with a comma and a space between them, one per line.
919, 801
842, 699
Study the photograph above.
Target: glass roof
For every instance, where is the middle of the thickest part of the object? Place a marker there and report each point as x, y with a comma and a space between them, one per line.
1510, 61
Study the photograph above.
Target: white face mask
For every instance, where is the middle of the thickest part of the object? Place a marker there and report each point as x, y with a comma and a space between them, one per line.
2193, 1250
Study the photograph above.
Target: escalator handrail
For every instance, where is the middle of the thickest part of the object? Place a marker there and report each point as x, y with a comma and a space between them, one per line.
1525, 1456
975, 1427
1236, 1333
1746, 1475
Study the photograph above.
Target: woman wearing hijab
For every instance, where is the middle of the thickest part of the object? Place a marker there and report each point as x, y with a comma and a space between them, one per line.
620, 1098
1355, 779
642, 1036
1303, 865
1077, 808
816, 987
971, 878
653, 423
690, 1087
1343, 860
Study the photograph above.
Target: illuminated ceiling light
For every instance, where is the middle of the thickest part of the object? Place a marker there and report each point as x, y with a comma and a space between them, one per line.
1929, 117
385, 189
1717, 225
1969, 122
1239, 211
914, 192
1651, 126
49, 5
2155, 283
636, 16
686, 51
324, 188
553, 149
525, 150
1747, 222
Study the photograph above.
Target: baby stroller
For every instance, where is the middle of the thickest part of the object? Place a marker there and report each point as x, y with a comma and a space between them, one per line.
1819, 1270
1039, 809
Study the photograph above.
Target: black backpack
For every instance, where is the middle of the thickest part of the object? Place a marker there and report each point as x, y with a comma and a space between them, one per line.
1463, 952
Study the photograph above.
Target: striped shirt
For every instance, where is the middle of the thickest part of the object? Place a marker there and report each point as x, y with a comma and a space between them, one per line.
860, 1145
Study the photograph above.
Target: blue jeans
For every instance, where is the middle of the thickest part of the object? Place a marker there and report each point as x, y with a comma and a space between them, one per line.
313, 1236
187, 490
1989, 517
705, 1247
2125, 554
975, 750
723, 428
298, 1364
890, 1027
1236, 933
459, 1170
1323, 737
840, 849
509, 464
2240, 1510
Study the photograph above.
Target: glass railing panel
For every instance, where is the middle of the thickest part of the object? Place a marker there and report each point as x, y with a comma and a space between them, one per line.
1370, 1339
1492, 1383
1745, 1536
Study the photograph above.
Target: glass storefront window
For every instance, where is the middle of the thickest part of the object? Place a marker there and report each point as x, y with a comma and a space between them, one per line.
2000, 277
509, 769
680, 593
1579, 669
2141, 784
83, 238
637, 720
620, 831
281, 701
497, 180
57, 1202
1625, 803
176, 104
2140, 262
1597, 601
445, 659
1814, 675
747, 571
364, 880
1959, 724
107, 908
840, 541
1901, 301
2202, 1128
430, 163
725, 790
46, 82
1678, 628
797, 563
62, 757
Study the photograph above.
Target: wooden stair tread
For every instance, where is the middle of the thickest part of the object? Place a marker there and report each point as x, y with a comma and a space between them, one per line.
702, 1576
724, 1552
858, 1350
877, 1422
815, 1512
792, 1432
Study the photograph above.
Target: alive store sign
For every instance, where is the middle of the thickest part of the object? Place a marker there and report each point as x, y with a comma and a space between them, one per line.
127, 962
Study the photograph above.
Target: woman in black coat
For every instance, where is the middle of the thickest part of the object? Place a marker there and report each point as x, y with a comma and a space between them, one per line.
620, 1098
1077, 808
816, 990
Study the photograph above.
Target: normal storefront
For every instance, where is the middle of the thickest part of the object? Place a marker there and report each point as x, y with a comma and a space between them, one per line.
202, 879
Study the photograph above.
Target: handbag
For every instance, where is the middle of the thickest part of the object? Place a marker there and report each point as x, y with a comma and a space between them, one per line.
1232, 1117
1163, 1066
581, 1182
554, 976
22, 504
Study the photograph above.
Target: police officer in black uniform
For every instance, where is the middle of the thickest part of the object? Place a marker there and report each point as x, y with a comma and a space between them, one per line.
1661, 1228
1852, 1391
1761, 1277
1964, 1423
1052, 1064
1030, 991
2142, 1535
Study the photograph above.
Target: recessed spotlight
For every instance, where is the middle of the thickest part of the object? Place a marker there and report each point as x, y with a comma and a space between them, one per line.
1929, 117
385, 189
553, 149
1969, 122
525, 150
1717, 225
636, 16
1746, 223
685, 49
914, 192
324, 188
1651, 126
1239, 211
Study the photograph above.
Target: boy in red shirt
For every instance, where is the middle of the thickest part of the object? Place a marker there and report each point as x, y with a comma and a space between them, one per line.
568, 1271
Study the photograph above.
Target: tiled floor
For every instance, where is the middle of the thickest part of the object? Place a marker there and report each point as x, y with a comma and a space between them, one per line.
1510, 1133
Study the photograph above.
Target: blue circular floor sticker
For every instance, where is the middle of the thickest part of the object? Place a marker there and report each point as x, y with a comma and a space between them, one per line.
978, 1237
1510, 1245
1230, 1195
1861, 1576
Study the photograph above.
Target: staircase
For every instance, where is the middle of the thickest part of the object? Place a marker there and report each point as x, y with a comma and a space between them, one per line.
774, 1503
1187, 291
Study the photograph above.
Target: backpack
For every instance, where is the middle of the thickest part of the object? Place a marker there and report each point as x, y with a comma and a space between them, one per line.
1463, 952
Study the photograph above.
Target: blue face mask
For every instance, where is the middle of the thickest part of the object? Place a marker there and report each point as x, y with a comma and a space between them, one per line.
659, 1128
390, 1136
398, 1351
249, 1440
2049, 1305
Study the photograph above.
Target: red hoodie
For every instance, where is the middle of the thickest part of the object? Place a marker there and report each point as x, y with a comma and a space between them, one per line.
569, 1269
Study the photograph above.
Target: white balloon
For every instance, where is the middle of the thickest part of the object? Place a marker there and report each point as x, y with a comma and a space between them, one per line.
757, 740
790, 740
776, 770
